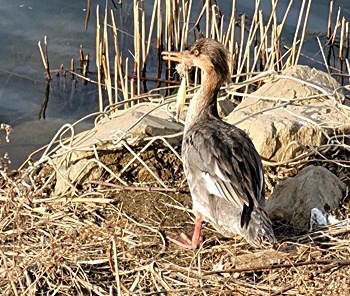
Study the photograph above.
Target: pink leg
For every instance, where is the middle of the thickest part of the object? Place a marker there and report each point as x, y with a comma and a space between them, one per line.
191, 240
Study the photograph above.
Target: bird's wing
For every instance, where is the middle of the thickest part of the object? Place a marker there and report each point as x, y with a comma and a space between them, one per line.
229, 164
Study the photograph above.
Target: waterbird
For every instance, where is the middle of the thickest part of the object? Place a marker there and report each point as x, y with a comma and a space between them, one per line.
223, 169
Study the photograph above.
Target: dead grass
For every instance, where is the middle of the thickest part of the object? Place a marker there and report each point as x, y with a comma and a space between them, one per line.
110, 242
98, 240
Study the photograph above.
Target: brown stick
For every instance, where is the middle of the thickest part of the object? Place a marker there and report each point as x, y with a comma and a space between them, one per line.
269, 267
72, 68
87, 16
45, 59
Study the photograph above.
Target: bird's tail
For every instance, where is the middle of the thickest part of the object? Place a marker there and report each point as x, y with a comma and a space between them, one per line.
259, 229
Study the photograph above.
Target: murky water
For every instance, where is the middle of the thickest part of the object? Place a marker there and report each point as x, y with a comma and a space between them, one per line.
22, 78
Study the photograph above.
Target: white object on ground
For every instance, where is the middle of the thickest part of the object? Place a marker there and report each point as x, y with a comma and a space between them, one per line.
317, 218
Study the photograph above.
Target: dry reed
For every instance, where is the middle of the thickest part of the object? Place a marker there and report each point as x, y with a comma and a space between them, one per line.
259, 48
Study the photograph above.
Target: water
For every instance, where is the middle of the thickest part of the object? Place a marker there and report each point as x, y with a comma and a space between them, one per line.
22, 78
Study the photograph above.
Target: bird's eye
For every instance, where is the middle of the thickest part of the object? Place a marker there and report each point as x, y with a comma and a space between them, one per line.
196, 52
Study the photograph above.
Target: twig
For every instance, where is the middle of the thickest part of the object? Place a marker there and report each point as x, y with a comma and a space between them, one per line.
45, 59
134, 188
278, 266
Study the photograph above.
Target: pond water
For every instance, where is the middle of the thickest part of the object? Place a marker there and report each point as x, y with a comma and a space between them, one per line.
22, 78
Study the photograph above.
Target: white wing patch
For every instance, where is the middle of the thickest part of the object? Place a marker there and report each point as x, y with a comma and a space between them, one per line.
218, 172
212, 186
215, 189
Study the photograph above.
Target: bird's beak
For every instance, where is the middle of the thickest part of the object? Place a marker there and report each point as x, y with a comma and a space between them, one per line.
179, 57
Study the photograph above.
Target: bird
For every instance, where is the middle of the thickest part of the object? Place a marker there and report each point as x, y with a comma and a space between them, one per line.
223, 169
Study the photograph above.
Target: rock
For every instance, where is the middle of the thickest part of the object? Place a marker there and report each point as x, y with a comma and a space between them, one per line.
76, 168
75, 165
108, 129
225, 107
313, 187
282, 133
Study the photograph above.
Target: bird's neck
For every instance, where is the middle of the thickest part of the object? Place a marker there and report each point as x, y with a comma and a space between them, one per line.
204, 102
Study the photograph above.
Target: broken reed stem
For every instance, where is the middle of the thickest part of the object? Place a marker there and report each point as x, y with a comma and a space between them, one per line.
143, 36
207, 14
196, 24
105, 60
187, 7
348, 67
323, 55
168, 24
150, 34
342, 29
86, 65
347, 40
159, 25
175, 17
245, 62
337, 25
263, 52
231, 26
329, 27
280, 30
98, 59
115, 257
214, 27
117, 61
294, 44
132, 93
222, 35
116, 80
137, 44
72, 68
45, 59
126, 88
279, 266
303, 32
239, 62
87, 16
270, 63
81, 57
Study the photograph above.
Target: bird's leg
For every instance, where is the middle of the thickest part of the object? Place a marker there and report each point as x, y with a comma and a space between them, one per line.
190, 240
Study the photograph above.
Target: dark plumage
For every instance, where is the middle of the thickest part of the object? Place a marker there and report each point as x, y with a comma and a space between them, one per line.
223, 169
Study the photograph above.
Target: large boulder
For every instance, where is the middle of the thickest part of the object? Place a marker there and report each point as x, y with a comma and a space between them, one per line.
286, 116
76, 161
294, 198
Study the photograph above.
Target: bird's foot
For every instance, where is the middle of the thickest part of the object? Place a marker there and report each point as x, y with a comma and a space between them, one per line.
187, 240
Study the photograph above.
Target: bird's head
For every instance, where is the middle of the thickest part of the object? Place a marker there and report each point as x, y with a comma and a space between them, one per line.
207, 54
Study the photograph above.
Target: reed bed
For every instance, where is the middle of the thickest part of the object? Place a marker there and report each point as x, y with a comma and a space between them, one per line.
256, 45
108, 237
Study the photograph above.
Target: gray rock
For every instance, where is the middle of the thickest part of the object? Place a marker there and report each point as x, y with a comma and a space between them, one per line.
225, 107
158, 123
282, 133
74, 164
313, 187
